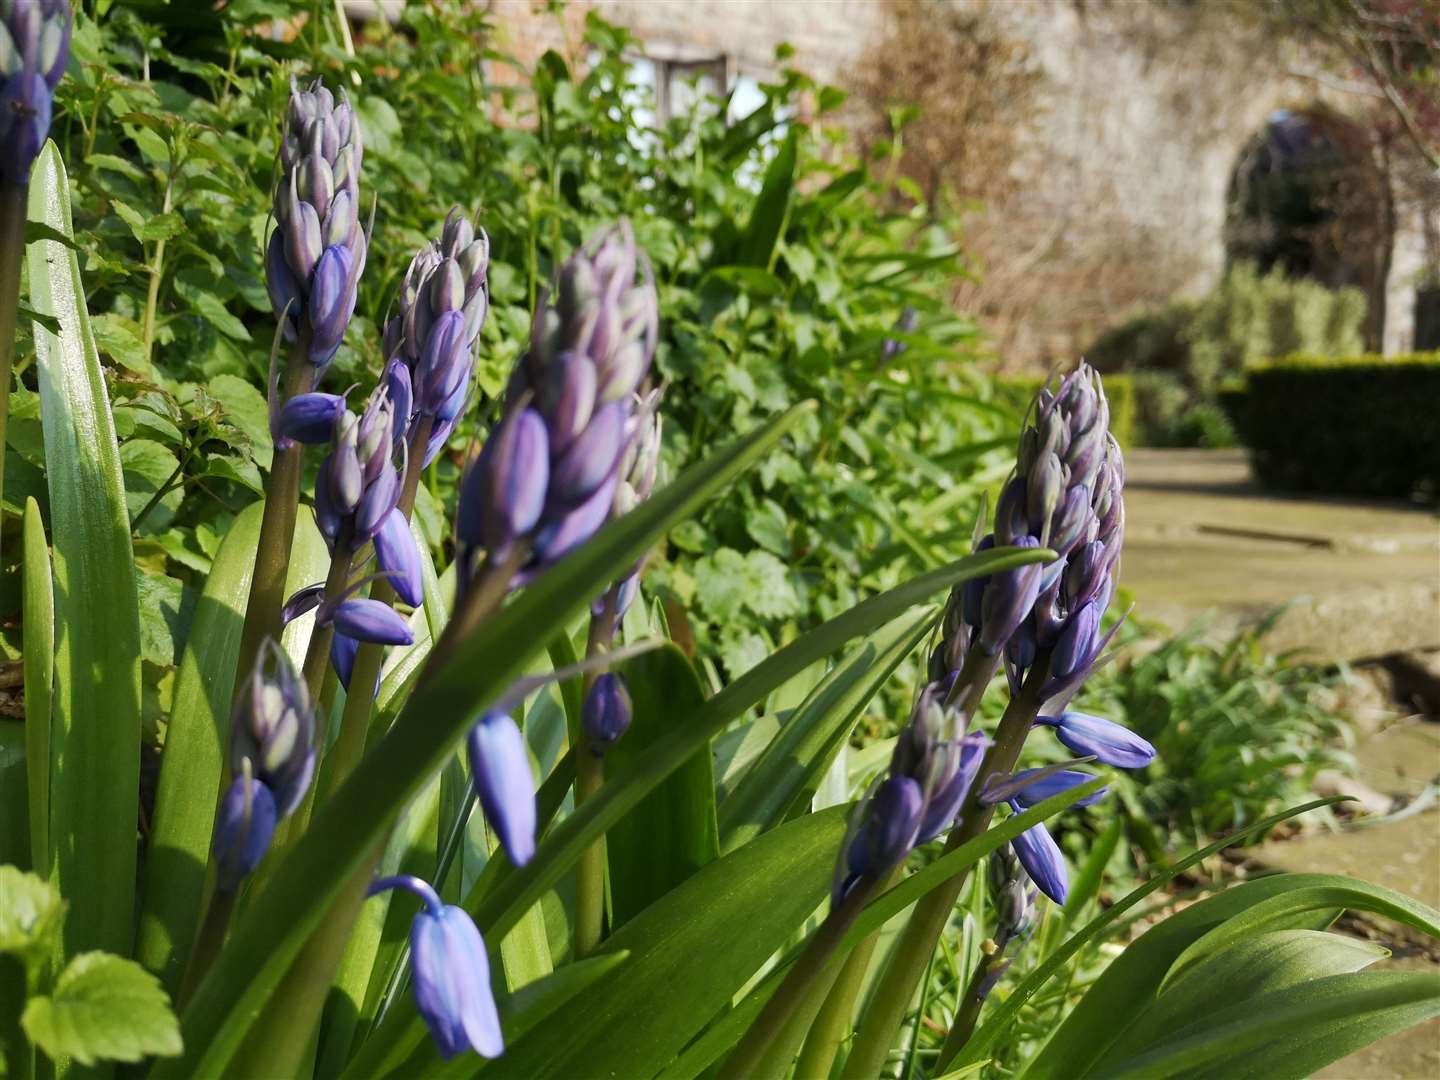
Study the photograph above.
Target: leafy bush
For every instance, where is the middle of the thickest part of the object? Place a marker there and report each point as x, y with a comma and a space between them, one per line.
781, 279
1181, 352
1360, 425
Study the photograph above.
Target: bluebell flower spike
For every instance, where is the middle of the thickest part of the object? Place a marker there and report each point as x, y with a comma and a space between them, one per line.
504, 783
450, 974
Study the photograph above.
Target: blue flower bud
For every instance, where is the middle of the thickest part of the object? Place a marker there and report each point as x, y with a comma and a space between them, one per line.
397, 554
1040, 856
399, 385
243, 828
592, 458
570, 530
1009, 596
343, 651
331, 303
310, 418
606, 712
503, 493
1031, 786
378, 498
1073, 648
450, 974
945, 802
1107, 742
500, 770
444, 364
369, 620
273, 729
889, 828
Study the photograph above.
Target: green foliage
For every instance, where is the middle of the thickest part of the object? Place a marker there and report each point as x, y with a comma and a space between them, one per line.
1358, 425
100, 1007
1239, 732
1180, 353
779, 274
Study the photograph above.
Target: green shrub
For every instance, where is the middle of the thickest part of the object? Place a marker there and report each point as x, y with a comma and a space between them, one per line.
1361, 425
1170, 413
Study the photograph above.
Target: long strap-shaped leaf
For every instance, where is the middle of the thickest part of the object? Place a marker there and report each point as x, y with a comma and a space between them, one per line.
348, 827
94, 791
39, 641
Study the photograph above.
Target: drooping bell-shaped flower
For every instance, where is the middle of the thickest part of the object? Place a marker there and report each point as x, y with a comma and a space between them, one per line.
606, 712
504, 783
437, 318
1040, 856
450, 974
34, 48
1106, 741
317, 251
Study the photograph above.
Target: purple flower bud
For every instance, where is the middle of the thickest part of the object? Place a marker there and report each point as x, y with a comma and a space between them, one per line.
377, 499
1076, 641
606, 712
503, 493
591, 459
398, 383
344, 480
342, 657
331, 303
1107, 742
1033, 786
303, 242
301, 601
568, 398
397, 554
272, 735
945, 802
285, 291
1009, 596
560, 537
450, 974
310, 418
1042, 860
500, 769
243, 828
444, 364
25, 109
369, 620
889, 829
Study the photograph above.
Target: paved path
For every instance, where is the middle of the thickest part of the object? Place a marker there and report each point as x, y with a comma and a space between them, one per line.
1362, 579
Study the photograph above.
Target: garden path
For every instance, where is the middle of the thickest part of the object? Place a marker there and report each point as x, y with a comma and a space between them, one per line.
1362, 578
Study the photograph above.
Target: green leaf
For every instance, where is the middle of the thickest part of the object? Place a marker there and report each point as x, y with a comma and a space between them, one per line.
1292, 1032
346, 829
193, 765
245, 407
1251, 969
96, 734
793, 761
30, 917
717, 928
119, 338
148, 467
160, 602
767, 220
671, 832
148, 228
103, 1008
39, 645
1099, 1023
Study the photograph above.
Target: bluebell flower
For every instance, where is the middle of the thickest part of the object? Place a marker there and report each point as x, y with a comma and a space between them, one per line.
500, 770
1107, 742
37, 46
606, 712
450, 974
244, 826
1040, 856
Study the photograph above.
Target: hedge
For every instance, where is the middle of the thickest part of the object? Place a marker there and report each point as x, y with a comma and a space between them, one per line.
1358, 425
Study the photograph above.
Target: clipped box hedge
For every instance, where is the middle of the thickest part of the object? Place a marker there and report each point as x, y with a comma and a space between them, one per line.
1357, 425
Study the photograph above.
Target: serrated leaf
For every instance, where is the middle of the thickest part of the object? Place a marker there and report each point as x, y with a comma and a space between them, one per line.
161, 617
30, 915
119, 338
245, 407
148, 466
103, 1008
767, 588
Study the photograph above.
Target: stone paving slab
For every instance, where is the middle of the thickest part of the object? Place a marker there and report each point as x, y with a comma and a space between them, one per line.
1203, 541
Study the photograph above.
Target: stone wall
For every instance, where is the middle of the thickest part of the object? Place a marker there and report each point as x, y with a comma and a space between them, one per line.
1124, 170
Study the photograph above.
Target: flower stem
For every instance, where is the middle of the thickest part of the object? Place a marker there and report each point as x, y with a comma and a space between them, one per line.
963, 1026
589, 776
911, 952
277, 527
13, 201
754, 1050
208, 940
